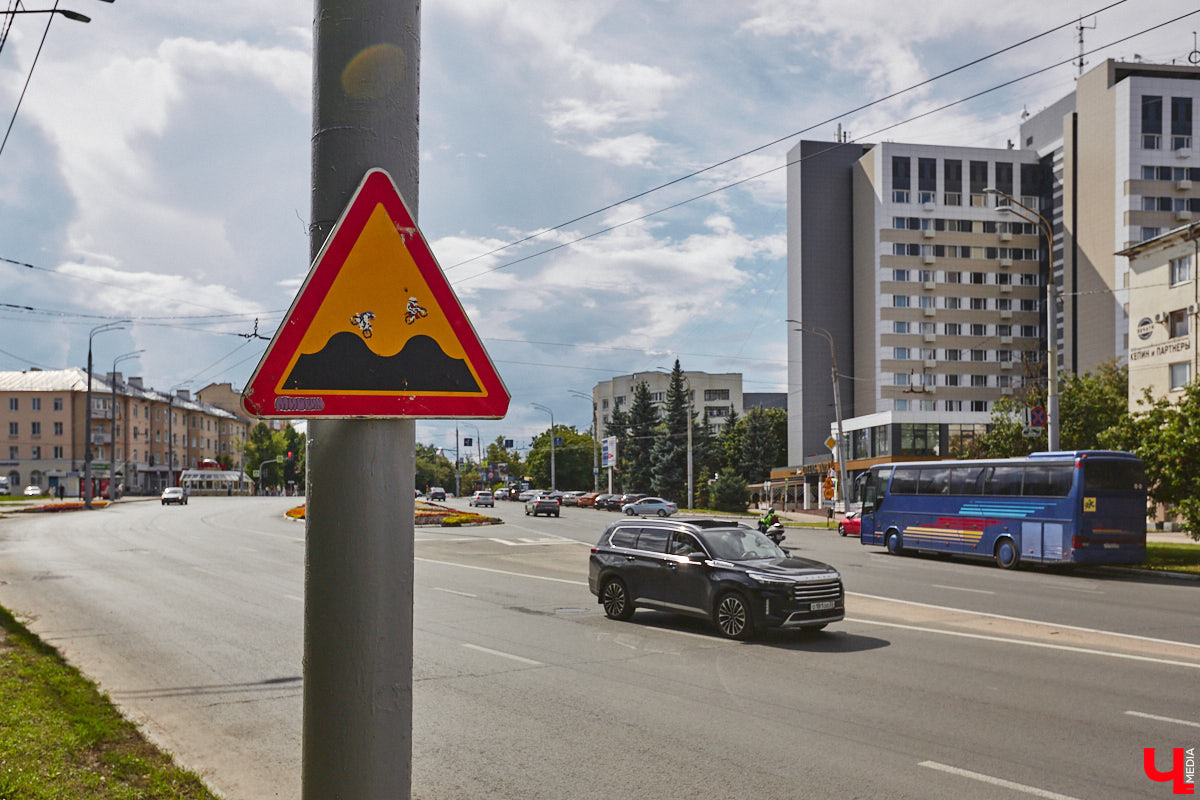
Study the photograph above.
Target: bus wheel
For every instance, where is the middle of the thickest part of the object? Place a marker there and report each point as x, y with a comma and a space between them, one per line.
893, 543
1007, 555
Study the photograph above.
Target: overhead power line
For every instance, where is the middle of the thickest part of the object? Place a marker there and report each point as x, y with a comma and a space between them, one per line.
739, 182
792, 135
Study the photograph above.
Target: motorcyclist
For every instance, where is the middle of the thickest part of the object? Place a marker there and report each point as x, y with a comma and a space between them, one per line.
767, 520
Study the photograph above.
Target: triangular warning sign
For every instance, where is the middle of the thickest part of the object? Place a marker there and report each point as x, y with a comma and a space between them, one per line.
376, 331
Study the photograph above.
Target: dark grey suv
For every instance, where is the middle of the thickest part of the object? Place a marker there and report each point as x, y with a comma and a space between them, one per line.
730, 574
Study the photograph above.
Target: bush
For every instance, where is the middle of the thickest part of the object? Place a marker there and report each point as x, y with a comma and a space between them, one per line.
729, 493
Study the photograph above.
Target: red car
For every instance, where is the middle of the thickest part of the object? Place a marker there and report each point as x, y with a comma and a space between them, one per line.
851, 525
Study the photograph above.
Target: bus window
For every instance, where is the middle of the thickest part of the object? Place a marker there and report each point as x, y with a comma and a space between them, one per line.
1048, 480
1003, 480
966, 480
934, 480
904, 480
874, 488
1113, 476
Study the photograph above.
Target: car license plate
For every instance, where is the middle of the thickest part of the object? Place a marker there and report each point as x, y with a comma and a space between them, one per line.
823, 606
1111, 546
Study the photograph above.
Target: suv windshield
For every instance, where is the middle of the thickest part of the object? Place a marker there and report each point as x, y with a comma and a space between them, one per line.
740, 544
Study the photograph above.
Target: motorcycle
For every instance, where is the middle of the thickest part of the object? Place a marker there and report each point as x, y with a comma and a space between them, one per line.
774, 532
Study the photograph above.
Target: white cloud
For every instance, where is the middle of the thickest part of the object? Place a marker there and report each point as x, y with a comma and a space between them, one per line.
625, 151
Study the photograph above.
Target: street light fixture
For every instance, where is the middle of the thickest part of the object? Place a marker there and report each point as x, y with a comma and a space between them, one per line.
87, 420
112, 470
1052, 425
540, 407
595, 439
72, 15
808, 327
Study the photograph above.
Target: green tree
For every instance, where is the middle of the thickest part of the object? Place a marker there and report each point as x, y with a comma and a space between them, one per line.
1088, 404
730, 442
1166, 436
729, 492
572, 459
760, 448
295, 443
706, 459
1092, 403
433, 468
669, 453
265, 445
643, 420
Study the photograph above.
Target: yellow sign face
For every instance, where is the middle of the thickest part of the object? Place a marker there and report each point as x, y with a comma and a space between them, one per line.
1089, 504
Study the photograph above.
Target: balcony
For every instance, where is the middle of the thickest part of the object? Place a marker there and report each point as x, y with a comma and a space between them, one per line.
101, 413
101, 438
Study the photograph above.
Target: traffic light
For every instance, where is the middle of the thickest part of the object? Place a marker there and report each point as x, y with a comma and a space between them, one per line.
289, 455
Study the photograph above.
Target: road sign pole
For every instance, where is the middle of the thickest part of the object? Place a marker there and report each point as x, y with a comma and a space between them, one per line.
357, 721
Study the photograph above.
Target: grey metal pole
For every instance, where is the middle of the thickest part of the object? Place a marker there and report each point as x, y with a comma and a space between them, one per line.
112, 469
357, 720
87, 413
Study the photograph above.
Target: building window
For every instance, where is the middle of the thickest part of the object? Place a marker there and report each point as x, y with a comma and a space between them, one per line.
1151, 122
900, 275
900, 353
58, 429
901, 405
899, 327
917, 439
953, 329
58, 451
927, 301
953, 405
35, 452
953, 303
979, 304
12, 429
1181, 123
1181, 270
953, 380
1177, 324
900, 195
901, 173
35, 404
953, 354
716, 394
58, 404
1149, 232
1004, 179
979, 381
14, 404
979, 405
900, 301
979, 355
1181, 375
900, 379
12, 452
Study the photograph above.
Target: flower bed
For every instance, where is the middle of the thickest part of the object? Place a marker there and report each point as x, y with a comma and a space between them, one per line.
427, 513
64, 506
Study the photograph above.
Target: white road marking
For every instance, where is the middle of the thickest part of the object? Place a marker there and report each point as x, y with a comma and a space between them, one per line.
452, 591
978, 776
523, 660
960, 589
525, 542
502, 572
1163, 719
1021, 619
1006, 640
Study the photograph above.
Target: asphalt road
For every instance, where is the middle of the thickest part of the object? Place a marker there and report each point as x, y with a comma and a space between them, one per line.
947, 679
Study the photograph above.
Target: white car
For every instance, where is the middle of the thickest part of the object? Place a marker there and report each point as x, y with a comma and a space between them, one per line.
174, 494
650, 505
528, 494
483, 498
33, 491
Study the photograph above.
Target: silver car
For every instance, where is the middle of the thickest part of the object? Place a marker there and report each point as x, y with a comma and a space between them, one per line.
483, 498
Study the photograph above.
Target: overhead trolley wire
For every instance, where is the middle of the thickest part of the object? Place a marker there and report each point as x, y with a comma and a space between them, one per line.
739, 182
794, 134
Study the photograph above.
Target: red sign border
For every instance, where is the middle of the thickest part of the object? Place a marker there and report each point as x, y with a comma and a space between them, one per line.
259, 397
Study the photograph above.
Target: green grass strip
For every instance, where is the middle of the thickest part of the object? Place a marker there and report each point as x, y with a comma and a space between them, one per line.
60, 737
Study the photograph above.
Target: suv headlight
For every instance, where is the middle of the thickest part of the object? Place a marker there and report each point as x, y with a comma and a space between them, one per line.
772, 580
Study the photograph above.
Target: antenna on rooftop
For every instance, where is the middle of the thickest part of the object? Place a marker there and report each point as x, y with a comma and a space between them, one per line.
1079, 26
1194, 56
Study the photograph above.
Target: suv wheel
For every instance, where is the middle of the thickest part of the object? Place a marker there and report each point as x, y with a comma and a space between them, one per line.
732, 617
616, 600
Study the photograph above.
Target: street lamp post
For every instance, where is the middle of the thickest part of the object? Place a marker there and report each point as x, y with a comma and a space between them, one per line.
808, 327
1052, 422
595, 439
87, 417
540, 407
112, 469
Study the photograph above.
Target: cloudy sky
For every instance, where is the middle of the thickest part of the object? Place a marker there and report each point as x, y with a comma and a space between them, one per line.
158, 169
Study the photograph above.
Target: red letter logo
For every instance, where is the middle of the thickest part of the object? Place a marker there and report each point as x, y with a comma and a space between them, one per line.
1176, 775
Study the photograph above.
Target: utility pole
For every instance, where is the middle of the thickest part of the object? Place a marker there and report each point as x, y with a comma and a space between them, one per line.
357, 720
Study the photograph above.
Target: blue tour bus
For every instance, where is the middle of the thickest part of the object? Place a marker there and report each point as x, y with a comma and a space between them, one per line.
1072, 507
